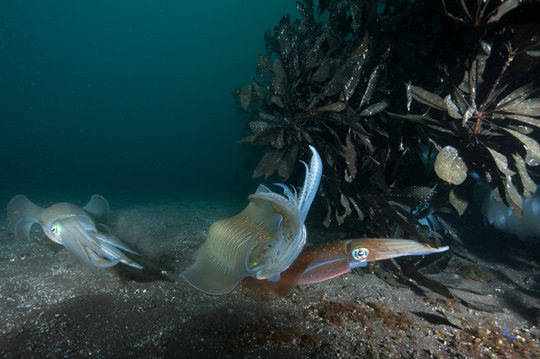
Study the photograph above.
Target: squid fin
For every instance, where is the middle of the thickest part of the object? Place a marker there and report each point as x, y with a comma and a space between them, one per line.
22, 214
208, 276
22, 228
98, 208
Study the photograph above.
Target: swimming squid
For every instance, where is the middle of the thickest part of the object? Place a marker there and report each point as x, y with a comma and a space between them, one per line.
259, 242
329, 260
82, 231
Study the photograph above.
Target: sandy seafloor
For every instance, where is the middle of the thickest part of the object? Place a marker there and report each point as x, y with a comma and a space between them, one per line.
53, 307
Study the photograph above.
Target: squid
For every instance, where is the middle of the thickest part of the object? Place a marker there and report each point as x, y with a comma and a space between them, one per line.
260, 242
82, 231
319, 263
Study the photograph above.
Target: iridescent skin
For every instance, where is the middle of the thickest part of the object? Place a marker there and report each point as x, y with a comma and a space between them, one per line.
81, 230
329, 260
260, 242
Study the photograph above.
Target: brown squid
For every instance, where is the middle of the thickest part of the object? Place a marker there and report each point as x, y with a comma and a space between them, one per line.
329, 260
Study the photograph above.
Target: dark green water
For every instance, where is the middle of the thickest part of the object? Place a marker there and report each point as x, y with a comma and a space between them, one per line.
126, 96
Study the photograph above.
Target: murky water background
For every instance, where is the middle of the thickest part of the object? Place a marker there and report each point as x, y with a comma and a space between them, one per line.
126, 96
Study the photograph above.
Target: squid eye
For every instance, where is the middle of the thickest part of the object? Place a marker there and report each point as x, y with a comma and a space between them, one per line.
54, 229
360, 253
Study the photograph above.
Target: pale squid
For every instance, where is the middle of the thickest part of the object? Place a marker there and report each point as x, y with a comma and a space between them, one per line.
81, 230
259, 242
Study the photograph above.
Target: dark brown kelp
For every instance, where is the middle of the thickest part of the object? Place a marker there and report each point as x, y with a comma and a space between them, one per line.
335, 79
485, 120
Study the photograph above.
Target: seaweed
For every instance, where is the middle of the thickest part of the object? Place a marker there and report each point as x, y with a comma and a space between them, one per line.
395, 154
485, 121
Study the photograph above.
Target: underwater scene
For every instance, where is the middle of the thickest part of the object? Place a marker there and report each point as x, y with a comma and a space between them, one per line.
270, 179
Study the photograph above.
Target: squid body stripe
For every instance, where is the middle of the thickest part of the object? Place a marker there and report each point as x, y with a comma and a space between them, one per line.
233, 237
